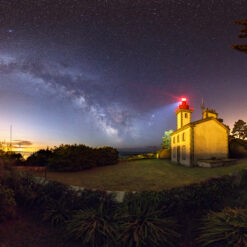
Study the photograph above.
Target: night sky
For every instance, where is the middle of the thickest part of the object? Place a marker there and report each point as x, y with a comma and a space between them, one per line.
110, 72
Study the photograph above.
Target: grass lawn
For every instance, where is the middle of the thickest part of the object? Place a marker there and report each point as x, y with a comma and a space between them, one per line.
142, 175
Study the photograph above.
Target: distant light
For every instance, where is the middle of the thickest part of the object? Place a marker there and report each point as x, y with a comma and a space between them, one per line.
184, 99
10, 30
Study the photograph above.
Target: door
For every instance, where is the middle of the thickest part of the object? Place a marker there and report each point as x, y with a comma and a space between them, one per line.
178, 154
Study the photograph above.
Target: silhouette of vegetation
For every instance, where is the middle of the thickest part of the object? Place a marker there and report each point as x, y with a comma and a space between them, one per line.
80, 157
11, 158
243, 47
240, 129
39, 158
237, 148
73, 157
7, 203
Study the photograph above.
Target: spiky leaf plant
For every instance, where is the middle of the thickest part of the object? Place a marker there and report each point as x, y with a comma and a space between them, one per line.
142, 224
56, 212
94, 227
225, 228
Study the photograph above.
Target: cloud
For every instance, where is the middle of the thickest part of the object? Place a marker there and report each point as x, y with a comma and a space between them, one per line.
22, 143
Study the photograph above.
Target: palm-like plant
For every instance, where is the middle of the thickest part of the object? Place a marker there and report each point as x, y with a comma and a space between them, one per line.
142, 224
225, 228
94, 227
56, 212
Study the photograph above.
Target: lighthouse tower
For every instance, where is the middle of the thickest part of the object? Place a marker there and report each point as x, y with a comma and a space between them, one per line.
183, 113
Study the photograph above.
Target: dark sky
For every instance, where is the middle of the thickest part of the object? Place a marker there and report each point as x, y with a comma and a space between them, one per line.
110, 72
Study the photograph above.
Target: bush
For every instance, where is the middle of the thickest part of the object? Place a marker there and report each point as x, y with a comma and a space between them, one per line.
56, 212
39, 158
94, 227
7, 203
225, 228
237, 148
11, 158
143, 224
106, 156
80, 157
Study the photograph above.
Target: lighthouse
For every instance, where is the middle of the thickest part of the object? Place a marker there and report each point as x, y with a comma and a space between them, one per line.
204, 139
183, 113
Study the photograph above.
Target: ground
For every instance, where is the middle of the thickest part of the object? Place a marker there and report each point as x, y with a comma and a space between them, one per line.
150, 174
26, 231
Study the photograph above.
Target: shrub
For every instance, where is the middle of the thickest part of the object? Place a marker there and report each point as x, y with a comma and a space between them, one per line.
80, 157
55, 190
143, 224
94, 227
237, 148
56, 212
7, 203
106, 156
11, 158
92, 199
225, 228
39, 158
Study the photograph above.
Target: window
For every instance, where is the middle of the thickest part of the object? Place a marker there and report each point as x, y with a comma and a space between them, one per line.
177, 138
174, 152
183, 137
184, 153
186, 115
174, 139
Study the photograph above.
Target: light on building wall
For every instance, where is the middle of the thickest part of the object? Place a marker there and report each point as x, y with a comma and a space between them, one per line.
184, 99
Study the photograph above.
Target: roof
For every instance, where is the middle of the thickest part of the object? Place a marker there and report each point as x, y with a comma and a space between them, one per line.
192, 124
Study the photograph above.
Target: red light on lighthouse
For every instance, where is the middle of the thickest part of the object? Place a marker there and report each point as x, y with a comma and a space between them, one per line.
183, 104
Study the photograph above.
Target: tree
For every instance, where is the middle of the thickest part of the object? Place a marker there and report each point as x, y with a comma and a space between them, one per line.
243, 47
39, 158
167, 139
240, 129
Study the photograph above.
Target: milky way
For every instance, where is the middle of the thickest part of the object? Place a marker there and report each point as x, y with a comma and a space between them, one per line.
110, 72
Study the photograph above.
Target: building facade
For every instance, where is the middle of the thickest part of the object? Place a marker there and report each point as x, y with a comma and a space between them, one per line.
200, 140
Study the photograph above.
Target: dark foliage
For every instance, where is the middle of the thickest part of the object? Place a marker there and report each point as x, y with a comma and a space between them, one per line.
11, 158
94, 218
7, 203
237, 148
80, 157
39, 158
242, 47
226, 228
94, 227
240, 129
191, 199
142, 223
